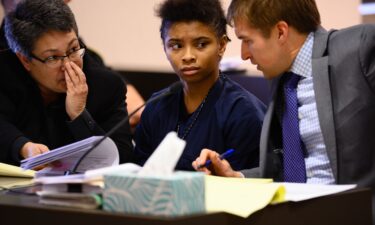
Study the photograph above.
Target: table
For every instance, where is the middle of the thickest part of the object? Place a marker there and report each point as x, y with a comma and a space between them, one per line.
351, 207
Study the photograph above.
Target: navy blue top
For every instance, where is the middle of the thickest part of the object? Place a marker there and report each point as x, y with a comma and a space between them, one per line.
231, 118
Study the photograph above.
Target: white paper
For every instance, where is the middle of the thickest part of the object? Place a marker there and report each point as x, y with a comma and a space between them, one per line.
122, 168
90, 175
165, 157
65, 157
161, 162
299, 192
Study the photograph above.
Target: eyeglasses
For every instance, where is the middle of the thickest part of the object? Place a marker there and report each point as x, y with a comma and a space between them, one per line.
56, 61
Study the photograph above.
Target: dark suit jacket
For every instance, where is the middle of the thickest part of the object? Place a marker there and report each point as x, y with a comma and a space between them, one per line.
343, 68
3, 41
23, 117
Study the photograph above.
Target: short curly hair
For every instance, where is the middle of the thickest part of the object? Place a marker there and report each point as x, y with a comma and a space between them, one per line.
208, 12
33, 18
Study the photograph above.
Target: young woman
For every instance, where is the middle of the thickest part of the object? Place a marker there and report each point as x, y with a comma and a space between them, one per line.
211, 111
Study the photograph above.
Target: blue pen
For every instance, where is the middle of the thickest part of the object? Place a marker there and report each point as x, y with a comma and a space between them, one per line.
225, 155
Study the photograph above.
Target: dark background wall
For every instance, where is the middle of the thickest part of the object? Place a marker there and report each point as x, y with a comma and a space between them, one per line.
150, 82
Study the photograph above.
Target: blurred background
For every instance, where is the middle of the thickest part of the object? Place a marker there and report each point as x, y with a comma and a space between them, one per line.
126, 34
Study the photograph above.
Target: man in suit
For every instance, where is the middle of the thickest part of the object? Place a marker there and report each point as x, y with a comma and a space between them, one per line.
50, 94
335, 95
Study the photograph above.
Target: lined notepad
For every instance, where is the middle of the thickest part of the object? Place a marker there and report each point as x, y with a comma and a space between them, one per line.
239, 196
243, 197
15, 171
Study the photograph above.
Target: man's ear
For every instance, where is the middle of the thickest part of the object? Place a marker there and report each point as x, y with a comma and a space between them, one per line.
282, 29
24, 60
223, 45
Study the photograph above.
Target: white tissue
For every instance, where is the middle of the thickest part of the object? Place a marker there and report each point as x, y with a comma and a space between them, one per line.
165, 157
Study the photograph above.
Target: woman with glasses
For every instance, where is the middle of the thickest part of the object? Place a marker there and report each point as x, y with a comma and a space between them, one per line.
48, 98
133, 97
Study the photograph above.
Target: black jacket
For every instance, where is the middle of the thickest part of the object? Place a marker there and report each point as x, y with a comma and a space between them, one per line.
23, 117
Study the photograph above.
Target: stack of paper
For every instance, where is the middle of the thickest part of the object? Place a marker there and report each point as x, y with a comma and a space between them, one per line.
78, 190
13, 176
299, 192
83, 190
104, 155
74, 191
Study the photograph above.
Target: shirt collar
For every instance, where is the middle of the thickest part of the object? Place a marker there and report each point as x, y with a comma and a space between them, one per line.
302, 64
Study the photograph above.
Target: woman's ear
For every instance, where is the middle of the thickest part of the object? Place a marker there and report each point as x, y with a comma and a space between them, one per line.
24, 60
223, 44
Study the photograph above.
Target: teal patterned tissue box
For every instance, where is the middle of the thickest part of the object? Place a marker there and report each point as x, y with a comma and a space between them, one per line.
181, 193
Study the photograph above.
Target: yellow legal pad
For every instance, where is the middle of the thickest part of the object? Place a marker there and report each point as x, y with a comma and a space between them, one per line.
15, 171
240, 196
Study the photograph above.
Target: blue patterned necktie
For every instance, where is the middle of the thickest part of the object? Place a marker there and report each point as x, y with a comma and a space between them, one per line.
294, 162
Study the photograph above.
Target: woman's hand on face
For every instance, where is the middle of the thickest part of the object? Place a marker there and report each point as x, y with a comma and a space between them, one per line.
77, 90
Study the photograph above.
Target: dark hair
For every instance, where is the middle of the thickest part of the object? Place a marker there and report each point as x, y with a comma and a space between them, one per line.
303, 15
209, 12
33, 18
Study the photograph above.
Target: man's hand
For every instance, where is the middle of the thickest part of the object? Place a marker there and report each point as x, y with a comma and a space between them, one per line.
77, 90
31, 149
218, 167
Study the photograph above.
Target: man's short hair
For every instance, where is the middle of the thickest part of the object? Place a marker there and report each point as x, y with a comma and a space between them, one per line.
303, 15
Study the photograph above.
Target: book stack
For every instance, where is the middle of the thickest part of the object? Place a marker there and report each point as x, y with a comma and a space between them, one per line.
74, 191
79, 190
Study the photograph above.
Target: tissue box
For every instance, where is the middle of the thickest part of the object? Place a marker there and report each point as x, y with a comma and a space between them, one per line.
181, 193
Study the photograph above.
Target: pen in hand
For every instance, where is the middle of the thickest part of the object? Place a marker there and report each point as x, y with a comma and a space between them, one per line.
225, 155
